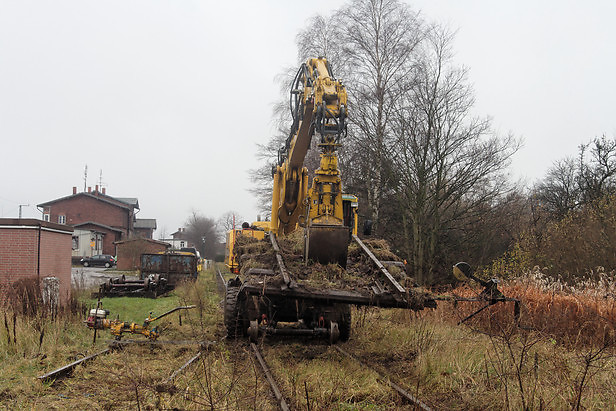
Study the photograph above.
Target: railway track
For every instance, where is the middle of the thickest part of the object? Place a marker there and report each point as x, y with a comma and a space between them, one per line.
274, 367
383, 378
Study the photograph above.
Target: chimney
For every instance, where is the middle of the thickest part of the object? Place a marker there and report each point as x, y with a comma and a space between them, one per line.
96, 188
89, 189
104, 190
74, 190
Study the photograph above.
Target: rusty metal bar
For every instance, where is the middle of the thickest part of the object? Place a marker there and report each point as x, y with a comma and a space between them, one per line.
395, 284
386, 380
281, 266
183, 367
117, 343
67, 369
338, 296
468, 317
184, 307
260, 271
270, 378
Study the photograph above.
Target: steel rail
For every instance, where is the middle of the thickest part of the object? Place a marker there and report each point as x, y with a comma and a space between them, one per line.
183, 367
119, 343
68, 368
385, 379
221, 280
270, 378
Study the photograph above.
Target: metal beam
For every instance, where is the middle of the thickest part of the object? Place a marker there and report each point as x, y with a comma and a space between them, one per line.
338, 296
392, 281
281, 266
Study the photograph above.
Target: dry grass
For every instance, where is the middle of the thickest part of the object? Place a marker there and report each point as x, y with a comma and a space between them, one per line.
583, 314
448, 366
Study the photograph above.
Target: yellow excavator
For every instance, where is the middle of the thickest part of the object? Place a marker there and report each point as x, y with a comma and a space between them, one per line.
271, 301
318, 104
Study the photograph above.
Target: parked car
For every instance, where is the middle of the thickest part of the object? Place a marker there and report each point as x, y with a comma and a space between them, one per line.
102, 260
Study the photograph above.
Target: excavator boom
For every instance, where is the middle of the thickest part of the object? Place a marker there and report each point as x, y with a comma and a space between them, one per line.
318, 105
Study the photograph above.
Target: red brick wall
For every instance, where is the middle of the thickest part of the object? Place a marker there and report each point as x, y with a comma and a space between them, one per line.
18, 248
56, 250
82, 208
19, 257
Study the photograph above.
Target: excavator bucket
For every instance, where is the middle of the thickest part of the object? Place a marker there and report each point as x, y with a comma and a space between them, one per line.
327, 243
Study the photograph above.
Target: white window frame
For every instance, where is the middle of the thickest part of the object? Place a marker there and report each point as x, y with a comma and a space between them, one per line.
61, 219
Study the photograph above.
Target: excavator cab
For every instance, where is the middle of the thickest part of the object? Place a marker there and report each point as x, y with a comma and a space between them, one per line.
349, 209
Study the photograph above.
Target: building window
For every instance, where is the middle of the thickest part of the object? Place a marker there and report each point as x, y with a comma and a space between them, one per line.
75, 242
62, 219
45, 217
182, 244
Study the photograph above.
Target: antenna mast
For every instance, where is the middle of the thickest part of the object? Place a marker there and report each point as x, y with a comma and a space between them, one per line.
85, 178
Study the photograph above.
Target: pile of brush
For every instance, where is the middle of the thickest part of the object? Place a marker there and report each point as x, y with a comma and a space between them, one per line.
359, 274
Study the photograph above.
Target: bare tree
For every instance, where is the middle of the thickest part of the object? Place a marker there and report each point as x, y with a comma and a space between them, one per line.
162, 232
371, 44
229, 220
572, 183
597, 175
559, 192
449, 169
262, 177
426, 172
201, 231
321, 38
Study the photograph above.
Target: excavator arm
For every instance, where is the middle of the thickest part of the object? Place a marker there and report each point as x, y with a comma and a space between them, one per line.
318, 104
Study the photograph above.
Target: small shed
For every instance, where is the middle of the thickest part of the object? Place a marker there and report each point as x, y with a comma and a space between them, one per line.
32, 249
129, 251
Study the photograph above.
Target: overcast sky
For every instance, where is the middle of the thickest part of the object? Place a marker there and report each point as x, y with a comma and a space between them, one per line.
169, 98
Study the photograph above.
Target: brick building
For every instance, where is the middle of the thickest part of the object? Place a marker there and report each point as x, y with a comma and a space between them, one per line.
144, 227
129, 251
109, 219
178, 239
35, 248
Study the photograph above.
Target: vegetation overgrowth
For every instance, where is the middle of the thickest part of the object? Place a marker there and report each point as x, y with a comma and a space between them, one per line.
561, 356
